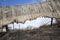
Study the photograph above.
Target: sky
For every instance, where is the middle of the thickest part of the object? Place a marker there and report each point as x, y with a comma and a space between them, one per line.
15, 2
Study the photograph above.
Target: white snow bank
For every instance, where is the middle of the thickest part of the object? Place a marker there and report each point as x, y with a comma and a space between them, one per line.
33, 23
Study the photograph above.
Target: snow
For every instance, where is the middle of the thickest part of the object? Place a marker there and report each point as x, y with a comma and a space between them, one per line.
10, 26
4, 29
33, 23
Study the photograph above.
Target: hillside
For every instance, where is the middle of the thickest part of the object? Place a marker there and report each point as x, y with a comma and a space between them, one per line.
25, 12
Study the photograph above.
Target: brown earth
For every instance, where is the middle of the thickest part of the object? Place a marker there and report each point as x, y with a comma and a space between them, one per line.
42, 33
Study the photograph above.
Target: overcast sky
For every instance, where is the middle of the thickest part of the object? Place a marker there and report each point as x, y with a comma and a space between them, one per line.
14, 2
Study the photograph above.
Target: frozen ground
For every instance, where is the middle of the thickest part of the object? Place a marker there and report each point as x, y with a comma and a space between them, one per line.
32, 24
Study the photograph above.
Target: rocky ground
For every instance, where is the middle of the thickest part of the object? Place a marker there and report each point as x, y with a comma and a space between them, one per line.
42, 33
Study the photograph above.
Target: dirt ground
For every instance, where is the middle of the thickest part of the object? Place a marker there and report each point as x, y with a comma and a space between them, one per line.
42, 33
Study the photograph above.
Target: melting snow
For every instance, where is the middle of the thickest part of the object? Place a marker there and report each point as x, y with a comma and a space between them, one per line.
33, 23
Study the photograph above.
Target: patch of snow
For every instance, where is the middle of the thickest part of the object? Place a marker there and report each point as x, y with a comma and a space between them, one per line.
4, 29
10, 26
33, 23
